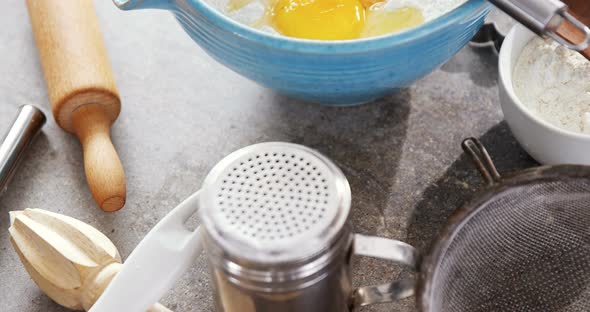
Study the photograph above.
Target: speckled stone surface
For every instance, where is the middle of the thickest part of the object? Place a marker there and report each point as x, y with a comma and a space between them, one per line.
182, 112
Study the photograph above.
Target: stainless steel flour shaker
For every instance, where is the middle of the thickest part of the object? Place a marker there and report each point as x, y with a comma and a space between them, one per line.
274, 225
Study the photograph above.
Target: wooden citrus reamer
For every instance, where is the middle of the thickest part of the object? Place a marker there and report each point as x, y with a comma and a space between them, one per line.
84, 97
71, 261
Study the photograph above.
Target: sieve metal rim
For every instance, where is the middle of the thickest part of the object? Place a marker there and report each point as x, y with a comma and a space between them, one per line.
461, 216
234, 249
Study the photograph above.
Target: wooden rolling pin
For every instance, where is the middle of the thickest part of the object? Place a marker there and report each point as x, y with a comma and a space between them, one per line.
84, 97
71, 261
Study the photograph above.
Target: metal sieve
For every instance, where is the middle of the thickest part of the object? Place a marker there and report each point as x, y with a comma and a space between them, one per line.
274, 225
523, 245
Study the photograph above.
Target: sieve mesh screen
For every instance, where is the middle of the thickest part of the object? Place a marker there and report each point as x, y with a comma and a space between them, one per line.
526, 250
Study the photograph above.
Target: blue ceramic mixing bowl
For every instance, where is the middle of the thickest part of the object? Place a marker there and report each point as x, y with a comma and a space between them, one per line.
327, 72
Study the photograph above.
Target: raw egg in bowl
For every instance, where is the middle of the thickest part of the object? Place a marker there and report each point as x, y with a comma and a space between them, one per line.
327, 19
332, 52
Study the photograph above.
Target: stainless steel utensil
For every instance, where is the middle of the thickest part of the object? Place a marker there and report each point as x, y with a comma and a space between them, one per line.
25, 126
544, 18
274, 224
521, 246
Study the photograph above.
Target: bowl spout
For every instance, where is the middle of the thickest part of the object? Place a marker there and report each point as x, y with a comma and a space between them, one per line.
143, 4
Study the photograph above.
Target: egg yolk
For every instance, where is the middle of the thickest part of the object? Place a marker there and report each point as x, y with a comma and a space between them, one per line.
319, 19
333, 19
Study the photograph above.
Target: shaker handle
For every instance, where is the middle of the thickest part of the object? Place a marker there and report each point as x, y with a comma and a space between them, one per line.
383, 248
159, 260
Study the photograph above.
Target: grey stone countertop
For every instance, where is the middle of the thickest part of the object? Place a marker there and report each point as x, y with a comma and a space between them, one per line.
183, 112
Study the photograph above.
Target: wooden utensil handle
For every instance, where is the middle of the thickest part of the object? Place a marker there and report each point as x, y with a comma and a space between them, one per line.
580, 9
81, 88
570, 33
104, 171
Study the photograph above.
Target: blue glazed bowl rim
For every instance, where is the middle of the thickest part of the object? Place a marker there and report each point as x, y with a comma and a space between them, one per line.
337, 46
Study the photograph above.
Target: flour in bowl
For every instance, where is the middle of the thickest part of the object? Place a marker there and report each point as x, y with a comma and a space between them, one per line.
334, 19
553, 82
431, 9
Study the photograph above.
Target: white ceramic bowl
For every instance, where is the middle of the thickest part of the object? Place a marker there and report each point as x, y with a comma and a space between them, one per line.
545, 142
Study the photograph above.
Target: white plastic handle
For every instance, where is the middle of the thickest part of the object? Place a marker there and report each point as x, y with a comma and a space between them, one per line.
159, 260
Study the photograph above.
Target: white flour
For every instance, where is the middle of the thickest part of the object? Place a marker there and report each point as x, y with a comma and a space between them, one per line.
431, 9
553, 82
254, 11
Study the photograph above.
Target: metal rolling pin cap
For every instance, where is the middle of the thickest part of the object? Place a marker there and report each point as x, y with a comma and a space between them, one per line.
26, 125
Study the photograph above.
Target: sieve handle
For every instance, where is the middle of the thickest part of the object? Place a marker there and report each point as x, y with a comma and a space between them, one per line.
482, 160
383, 248
159, 260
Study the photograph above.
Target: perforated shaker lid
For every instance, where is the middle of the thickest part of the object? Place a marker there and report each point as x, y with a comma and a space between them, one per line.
274, 202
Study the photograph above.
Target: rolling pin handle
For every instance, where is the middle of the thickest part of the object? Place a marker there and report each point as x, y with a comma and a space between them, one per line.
103, 168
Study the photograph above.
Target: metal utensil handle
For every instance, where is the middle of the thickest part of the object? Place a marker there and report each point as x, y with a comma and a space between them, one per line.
159, 260
26, 125
388, 249
544, 17
482, 160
